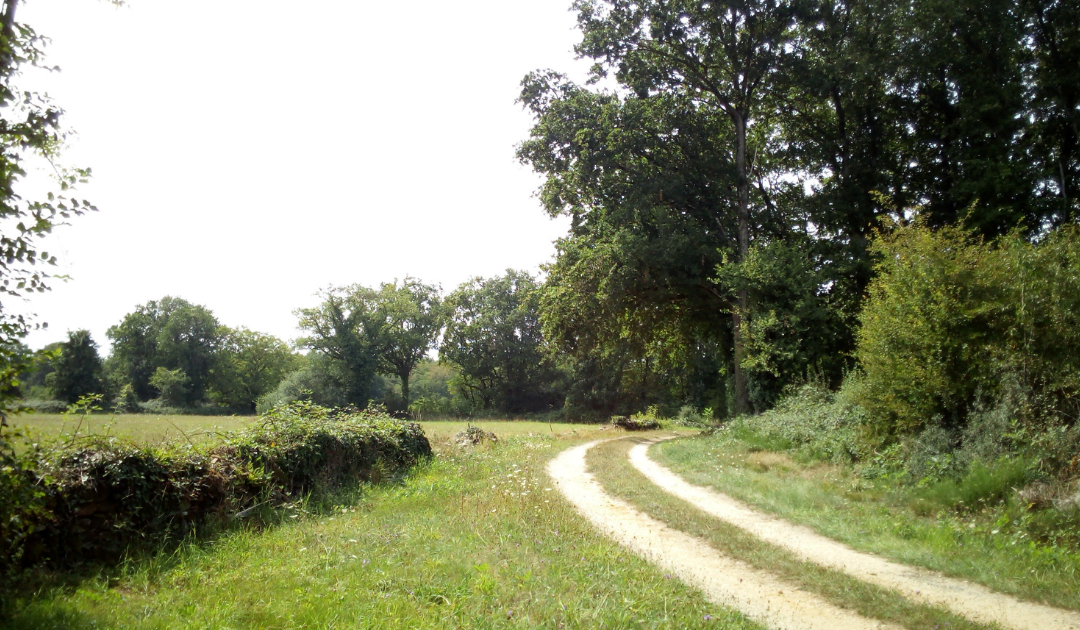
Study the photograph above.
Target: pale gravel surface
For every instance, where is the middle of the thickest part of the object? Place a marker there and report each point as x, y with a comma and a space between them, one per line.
974, 601
725, 581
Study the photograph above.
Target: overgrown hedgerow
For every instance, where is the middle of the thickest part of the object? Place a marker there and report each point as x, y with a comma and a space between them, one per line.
90, 499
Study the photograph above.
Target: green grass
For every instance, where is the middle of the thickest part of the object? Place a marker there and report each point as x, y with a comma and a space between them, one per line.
142, 428
610, 465
152, 429
477, 538
989, 544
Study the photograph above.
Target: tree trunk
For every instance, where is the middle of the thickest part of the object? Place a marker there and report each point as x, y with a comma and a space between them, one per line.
7, 31
742, 391
9, 19
405, 389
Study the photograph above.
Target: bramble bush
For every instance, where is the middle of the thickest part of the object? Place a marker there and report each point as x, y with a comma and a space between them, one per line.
811, 419
89, 499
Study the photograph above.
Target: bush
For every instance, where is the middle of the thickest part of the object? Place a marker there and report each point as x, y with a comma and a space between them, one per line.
981, 484
316, 383
954, 327
172, 386
127, 401
93, 498
821, 423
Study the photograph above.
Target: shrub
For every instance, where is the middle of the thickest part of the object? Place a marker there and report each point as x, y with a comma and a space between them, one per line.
46, 406
954, 326
92, 498
821, 423
981, 484
316, 383
127, 401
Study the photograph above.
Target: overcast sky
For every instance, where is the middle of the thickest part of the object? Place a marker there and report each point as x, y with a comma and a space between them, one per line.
248, 153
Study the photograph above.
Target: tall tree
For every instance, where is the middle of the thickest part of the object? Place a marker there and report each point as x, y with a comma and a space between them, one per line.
77, 370
724, 56
493, 337
1053, 34
169, 333
411, 314
347, 328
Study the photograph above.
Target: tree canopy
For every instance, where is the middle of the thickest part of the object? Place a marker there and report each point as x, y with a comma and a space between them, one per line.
169, 333
725, 192
493, 337
411, 314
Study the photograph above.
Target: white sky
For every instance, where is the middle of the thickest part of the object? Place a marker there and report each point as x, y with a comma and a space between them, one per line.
248, 153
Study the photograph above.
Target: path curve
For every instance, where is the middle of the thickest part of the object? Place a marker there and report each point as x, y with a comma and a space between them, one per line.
758, 594
974, 601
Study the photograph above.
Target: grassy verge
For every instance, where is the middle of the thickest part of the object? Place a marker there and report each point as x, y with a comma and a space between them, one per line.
984, 543
609, 463
477, 538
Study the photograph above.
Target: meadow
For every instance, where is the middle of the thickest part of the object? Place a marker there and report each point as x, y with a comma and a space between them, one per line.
478, 537
475, 538
152, 429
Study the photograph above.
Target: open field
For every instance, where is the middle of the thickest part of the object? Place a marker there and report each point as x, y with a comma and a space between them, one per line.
982, 545
142, 428
152, 429
475, 539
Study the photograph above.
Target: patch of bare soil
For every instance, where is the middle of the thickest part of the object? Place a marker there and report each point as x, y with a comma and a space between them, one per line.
725, 581
973, 601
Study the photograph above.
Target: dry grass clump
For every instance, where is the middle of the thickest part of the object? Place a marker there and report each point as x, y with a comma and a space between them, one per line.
474, 436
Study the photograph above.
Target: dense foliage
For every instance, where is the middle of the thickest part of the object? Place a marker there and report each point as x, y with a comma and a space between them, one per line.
725, 192
249, 365
93, 498
494, 340
77, 371
956, 327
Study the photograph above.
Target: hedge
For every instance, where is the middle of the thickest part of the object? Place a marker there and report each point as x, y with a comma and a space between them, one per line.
93, 498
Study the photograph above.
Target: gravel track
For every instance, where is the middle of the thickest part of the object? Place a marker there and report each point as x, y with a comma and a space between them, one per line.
973, 601
725, 581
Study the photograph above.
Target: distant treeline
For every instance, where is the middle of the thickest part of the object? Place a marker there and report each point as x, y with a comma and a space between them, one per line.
364, 345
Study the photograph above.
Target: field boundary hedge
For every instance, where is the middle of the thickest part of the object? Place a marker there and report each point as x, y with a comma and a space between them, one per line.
91, 499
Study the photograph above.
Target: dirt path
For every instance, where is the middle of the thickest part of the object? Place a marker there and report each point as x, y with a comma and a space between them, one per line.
725, 581
973, 601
